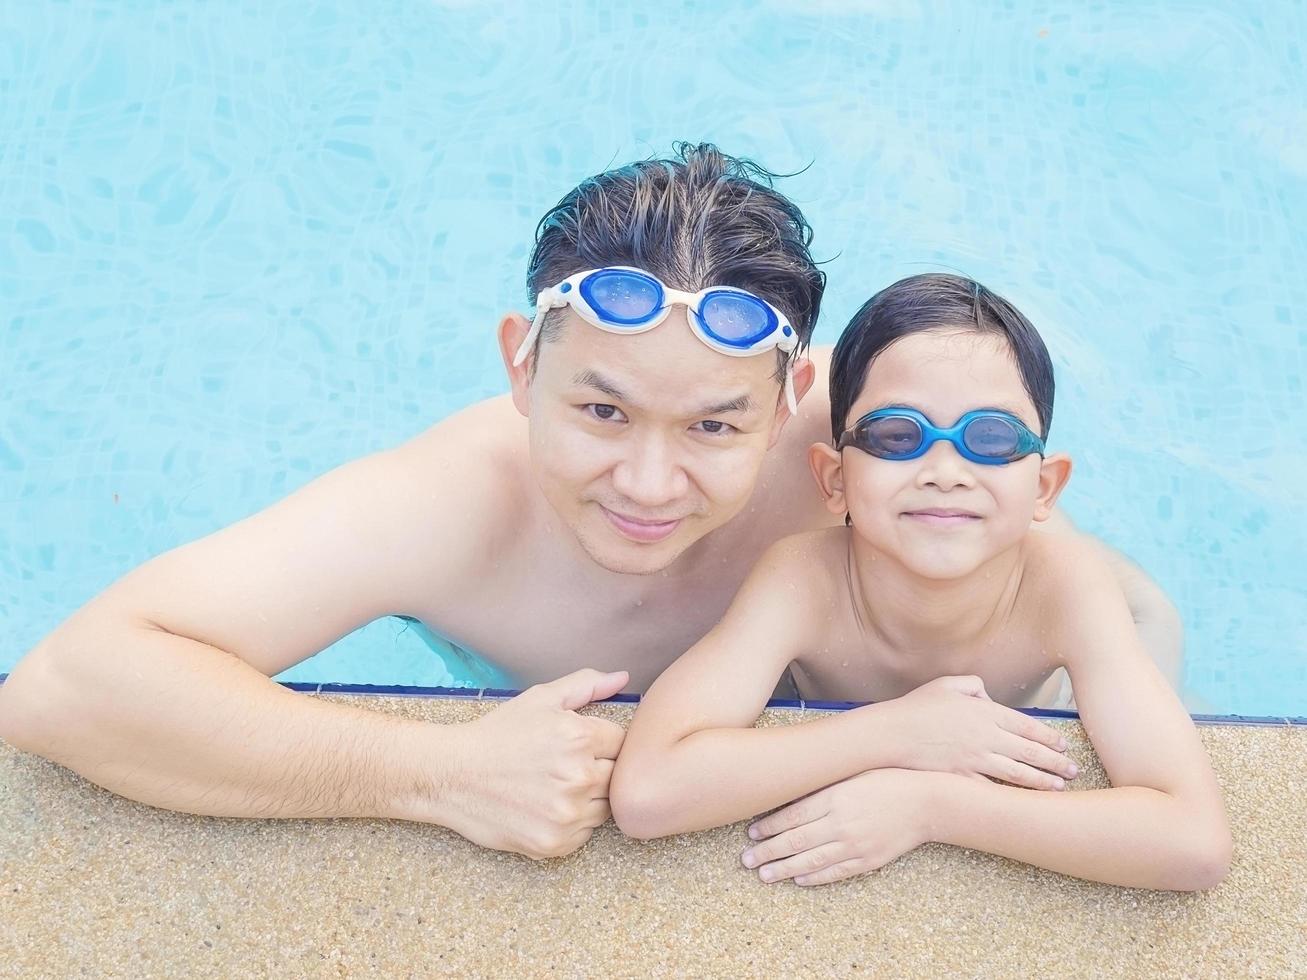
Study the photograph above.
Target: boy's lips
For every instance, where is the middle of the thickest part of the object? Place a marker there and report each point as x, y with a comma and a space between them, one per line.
942, 516
637, 529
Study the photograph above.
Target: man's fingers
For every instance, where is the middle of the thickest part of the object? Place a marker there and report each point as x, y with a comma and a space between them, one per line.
1018, 724
603, 776
595, 813
605, 737
580, 687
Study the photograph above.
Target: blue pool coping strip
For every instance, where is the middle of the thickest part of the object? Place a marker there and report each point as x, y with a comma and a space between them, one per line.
504, 694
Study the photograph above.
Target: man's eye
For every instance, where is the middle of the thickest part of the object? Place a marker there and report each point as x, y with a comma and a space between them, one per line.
603, 412
714, 427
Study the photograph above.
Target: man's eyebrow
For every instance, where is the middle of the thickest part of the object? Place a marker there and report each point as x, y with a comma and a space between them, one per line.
589, 379
740, 403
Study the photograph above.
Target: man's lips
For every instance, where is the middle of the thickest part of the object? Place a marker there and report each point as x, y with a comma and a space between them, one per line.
638, 529
942, 516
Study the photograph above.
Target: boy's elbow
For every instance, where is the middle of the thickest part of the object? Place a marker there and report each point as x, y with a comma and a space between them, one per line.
1205, 863
640, 808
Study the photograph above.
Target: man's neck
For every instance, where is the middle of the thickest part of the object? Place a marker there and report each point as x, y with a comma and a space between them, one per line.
913, 615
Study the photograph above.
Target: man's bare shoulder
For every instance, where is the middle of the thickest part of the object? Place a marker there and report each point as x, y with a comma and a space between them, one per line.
463, 474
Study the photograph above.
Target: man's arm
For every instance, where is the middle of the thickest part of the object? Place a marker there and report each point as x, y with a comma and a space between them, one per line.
158, 689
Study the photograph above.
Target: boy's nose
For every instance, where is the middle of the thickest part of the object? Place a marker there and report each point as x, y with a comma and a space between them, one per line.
650, 475
944, 468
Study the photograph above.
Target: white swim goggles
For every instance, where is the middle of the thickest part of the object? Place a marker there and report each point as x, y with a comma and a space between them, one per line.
621, 299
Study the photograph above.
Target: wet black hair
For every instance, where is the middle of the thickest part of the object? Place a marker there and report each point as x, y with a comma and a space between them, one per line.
697, 219
931, 302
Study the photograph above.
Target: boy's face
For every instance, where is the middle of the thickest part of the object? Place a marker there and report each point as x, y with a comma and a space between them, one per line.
645, 443
941, 515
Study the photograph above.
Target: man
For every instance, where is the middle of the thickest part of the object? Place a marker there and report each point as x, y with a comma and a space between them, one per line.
601, 516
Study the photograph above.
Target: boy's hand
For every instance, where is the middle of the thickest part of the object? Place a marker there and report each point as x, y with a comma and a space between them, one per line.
951, 725
536, 774
857, 825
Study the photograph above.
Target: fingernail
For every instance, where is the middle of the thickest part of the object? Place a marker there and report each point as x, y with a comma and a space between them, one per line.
1075, 770
1059, 784
753, 832
748, 858
1061, 744
766, 874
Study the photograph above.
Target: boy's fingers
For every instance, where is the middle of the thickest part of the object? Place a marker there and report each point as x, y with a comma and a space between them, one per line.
1039, 756
1018, 724
804, 863
794, 815
834, 872
1020, 774
787, 843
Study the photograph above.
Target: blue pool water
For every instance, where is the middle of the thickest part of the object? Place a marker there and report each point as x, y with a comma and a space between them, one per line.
243, 243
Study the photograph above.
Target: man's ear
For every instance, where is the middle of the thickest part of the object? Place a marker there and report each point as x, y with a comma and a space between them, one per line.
827, 465
513, 329
1054, 471
804, 375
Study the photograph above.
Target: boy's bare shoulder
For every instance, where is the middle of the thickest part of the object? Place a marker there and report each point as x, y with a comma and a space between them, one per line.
1066, 577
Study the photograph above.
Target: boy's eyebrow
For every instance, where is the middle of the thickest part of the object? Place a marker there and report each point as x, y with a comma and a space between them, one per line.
1009, 409
592, 379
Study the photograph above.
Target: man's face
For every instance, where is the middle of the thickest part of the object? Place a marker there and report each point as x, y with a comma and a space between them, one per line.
941, 515
645, 443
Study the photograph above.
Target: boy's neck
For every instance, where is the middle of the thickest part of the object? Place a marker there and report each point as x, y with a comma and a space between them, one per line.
913, 615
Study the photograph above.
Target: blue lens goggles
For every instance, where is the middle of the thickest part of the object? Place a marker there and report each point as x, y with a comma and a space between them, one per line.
621, 299
984, 436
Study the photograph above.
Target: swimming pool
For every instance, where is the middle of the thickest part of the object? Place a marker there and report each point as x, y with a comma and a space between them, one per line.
247, 243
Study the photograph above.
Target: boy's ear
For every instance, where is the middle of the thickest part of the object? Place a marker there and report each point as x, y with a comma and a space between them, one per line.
1054, 471
804, 375
513, 329
827, 466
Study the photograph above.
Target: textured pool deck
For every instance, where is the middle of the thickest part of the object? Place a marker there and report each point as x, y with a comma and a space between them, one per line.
99, 886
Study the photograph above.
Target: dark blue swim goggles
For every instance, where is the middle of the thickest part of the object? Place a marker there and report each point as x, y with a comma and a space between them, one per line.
621, 299
985, 436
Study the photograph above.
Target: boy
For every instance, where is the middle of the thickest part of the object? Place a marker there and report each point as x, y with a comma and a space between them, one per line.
941, 398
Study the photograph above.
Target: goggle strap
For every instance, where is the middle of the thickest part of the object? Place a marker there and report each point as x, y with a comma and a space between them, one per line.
543, 305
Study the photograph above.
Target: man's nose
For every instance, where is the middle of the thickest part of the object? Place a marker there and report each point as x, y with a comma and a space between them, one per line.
649, 473
944, 468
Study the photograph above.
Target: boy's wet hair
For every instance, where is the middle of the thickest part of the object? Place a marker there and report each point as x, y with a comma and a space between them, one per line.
932, 302
701, 218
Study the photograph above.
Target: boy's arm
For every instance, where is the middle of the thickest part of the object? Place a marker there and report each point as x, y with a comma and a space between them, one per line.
1162, 825
158, 689
692, 759
1156, 618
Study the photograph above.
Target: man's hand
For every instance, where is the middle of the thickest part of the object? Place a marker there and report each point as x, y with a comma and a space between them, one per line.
951, 725
857, 825
533, 774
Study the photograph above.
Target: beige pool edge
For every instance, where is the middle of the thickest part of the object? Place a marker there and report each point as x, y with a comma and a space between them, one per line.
97, 885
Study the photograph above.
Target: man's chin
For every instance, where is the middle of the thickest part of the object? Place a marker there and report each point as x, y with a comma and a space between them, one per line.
613, 553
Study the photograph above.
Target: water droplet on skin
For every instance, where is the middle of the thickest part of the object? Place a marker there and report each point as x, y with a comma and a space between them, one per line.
844, 663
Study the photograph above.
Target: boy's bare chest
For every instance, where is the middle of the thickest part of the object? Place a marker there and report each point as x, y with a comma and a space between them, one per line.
1015, 670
